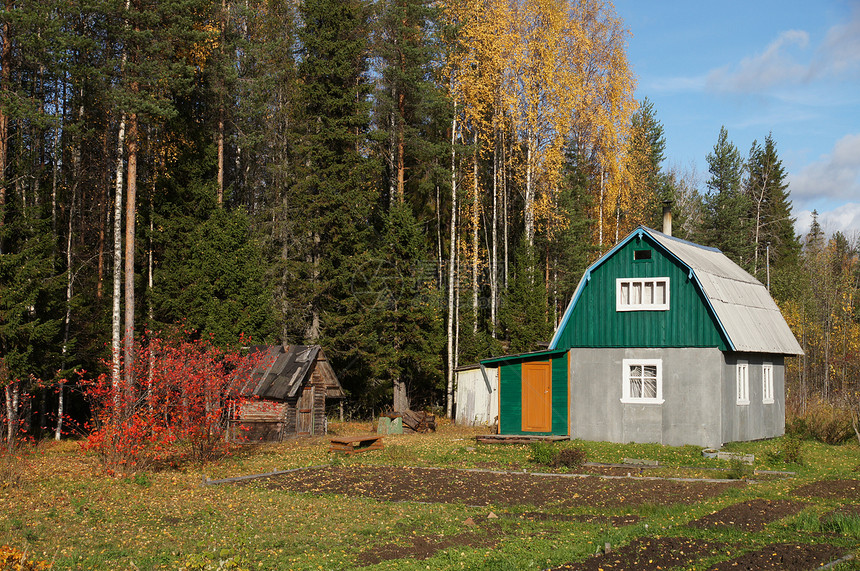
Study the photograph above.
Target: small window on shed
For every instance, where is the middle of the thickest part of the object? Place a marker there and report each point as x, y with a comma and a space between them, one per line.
743, 383
641, 255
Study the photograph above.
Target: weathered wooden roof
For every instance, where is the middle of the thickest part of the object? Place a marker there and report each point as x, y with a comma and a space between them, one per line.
284, 369
742, 306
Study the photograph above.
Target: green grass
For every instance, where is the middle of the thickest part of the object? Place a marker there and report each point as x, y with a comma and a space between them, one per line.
59, 505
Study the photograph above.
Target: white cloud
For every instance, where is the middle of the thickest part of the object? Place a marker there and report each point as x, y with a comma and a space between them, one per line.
845, 219
837, 56
840, 51
835, 176
772, 67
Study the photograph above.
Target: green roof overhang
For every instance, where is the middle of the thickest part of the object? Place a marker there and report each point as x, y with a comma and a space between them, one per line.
523, 356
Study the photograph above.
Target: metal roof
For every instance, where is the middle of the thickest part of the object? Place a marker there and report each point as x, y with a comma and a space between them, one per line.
521, 356
745, 311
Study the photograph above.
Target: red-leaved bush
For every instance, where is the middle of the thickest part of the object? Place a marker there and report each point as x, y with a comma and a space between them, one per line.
173, 404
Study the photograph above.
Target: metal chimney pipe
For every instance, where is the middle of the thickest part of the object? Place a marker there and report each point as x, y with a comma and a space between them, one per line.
667, 217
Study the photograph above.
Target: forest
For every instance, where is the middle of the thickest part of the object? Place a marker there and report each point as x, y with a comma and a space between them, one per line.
412, 184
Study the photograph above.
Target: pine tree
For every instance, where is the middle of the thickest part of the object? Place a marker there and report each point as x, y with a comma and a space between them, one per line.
406, 46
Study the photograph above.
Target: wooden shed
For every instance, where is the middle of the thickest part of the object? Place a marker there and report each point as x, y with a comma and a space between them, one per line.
533, 393
287, 395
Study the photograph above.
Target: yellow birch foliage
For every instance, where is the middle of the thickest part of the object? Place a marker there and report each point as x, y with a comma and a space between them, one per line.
544, 71
824, 320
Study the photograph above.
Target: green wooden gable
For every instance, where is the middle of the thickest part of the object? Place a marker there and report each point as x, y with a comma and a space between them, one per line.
593, 321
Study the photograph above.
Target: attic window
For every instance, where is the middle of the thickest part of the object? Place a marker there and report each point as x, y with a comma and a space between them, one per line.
642, 294
641, 255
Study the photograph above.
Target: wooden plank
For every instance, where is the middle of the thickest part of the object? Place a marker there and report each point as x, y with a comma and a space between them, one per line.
354, 444
517, 439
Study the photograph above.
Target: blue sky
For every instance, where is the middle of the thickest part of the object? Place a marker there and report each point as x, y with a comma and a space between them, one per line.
790, 68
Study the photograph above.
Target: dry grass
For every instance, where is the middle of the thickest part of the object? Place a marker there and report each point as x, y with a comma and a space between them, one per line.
58, 504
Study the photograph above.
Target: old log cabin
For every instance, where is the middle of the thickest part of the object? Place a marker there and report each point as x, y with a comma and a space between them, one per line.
287, 394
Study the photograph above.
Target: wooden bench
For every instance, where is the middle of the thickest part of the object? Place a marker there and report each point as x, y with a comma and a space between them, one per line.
353, 444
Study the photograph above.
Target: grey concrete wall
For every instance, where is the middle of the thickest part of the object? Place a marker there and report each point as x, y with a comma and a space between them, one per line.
692, 391
755, 420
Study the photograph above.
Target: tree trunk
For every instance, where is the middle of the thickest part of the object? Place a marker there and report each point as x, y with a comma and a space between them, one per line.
116, 318
449, 401
401, 399
401, 145
440, 270
12, 392
130, 220
5, 62
476, 217
505, 206
104, 219
76, 160
221, 155
600, 214
221, 110
56, 160
494, 256
529, 197
313, 330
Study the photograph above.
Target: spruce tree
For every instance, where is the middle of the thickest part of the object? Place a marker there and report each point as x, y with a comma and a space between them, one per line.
776, 247
334, 193
406, 320
524, 307
725, 221
211, 278
572, 249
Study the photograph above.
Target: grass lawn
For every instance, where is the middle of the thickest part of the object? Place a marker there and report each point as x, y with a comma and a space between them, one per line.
58, 504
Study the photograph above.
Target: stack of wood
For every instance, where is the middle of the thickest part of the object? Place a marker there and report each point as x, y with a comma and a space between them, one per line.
415, 421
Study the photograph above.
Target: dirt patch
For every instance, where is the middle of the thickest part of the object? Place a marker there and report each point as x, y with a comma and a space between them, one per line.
784, 556
486, 488
650, 553
421, 547
750, 516
831, 489
614, 521
585, 469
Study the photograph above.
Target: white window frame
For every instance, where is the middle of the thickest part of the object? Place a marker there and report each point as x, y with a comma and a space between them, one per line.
742, 377
767, 383
626, 396
622, 304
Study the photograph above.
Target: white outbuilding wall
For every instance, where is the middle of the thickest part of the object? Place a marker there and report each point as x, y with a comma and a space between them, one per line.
477, 396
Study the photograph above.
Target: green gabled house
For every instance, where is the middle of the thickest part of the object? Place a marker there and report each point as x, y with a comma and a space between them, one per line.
664, 341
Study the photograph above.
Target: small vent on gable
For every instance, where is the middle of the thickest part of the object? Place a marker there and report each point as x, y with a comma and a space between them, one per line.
641, 254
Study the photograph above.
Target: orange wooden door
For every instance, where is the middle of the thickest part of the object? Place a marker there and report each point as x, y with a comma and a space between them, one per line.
537, 397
